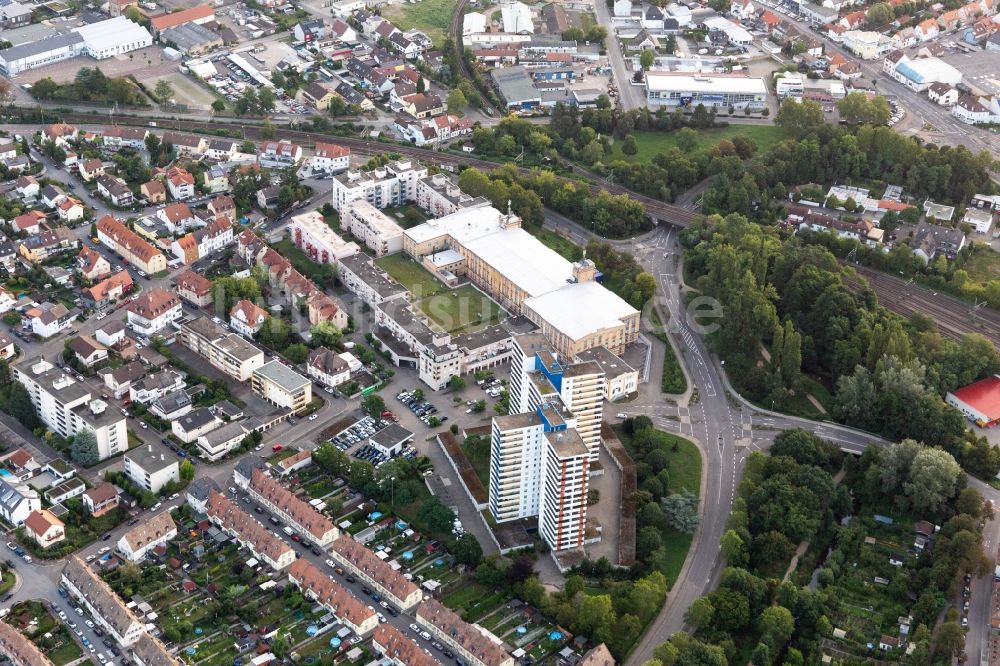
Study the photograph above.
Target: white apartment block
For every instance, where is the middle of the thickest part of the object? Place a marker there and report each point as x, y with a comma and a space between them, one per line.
538, 377
313, 235
439, 195
151, 469
540, 467
373, 227
224, 350
66, 406
281, 386
391, 185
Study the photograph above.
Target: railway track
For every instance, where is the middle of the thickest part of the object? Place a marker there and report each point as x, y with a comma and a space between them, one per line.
954, 317
657, 210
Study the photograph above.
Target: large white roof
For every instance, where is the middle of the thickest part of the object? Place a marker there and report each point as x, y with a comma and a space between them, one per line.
463, 225
117, 30
523, 259
579, 309
696, 83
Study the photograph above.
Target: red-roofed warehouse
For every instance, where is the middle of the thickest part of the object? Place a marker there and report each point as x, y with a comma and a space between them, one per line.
980, 401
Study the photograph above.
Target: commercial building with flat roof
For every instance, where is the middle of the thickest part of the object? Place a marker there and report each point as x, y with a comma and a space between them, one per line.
719, 91
100, 40
281, 386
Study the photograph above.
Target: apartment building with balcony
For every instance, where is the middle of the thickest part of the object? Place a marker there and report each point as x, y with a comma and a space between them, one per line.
224, 350
373, 227
391, 185
281, 386
67, 406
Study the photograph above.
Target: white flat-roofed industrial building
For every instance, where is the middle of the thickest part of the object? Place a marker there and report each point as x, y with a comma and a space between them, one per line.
116, 36
373, 227
575, 316
100, 40
719, 91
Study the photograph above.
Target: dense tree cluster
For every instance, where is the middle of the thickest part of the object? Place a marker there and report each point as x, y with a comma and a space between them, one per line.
622, 273
795, 300
790, 496
824, 153
609, 215
90, 85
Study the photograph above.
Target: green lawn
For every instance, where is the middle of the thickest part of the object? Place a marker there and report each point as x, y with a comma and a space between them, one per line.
651, 143
431, 16
684, 466
673, 380
461, 309
983, 265
411, 275
564, 246
302, 263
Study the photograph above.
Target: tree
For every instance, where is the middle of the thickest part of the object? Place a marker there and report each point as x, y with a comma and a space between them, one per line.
84, 448
934, 480
274, 333
949, 639
457, 100
163, 91
646, 59
800, 117
857, 108
325, 334
373, 405
699, 614
681, 510
297, 353
187, 470
456, 383
421, 84
21, 407
629, 146
218, 106
879, 14
778, 623
436, 516
732, 610
331, 459
687, 139
467, 551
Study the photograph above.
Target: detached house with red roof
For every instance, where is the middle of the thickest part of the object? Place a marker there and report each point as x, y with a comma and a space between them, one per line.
180, 183
29, 223
91, 169
153, 192
92, 265
44, 528
247, 318
194, 288
70, 209
178, 217
279, 154
927, 30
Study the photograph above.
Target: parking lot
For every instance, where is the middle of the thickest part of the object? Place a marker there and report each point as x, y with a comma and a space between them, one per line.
980, 69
